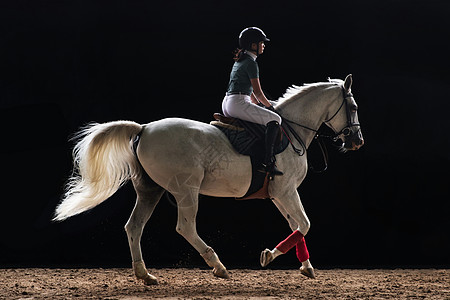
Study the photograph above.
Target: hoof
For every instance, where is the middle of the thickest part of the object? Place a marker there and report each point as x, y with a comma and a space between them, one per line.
213, 261
150, 280
308, 272
221, 272
141, 273
266, 258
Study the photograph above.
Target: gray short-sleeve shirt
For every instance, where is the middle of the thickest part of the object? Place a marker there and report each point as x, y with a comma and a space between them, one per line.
243, 70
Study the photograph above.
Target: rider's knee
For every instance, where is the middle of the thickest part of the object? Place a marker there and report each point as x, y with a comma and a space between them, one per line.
275, 117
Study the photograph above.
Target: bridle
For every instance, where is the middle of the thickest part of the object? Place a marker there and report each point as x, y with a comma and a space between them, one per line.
319, 136
347, 130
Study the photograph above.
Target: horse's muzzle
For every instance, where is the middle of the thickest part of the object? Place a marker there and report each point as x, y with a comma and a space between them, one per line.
354, 141
358, 144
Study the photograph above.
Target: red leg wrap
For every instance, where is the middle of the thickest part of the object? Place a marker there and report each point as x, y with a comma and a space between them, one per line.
290, 242
302, 251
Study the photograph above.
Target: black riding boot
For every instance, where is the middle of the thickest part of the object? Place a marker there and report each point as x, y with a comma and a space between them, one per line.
272, 137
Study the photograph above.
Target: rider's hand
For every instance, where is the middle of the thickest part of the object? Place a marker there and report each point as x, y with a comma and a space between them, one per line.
271, 108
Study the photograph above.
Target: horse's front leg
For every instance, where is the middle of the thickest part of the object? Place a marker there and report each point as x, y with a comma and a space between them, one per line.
292, 209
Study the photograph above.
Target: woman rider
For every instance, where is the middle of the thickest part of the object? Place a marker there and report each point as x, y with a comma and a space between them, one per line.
244, 94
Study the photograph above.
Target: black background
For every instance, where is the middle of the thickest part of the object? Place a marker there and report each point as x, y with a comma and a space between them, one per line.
66, 63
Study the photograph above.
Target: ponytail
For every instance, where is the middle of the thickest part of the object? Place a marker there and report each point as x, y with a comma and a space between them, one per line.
237, 54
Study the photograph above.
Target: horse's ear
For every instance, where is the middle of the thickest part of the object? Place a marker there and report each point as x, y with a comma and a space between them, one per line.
348, 83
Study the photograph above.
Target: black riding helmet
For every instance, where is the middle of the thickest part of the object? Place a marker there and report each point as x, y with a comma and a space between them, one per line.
251, 35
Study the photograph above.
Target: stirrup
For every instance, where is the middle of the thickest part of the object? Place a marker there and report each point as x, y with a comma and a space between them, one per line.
272, 170
276, 172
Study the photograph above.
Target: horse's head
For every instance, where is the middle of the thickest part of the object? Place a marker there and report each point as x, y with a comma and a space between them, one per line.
344, 121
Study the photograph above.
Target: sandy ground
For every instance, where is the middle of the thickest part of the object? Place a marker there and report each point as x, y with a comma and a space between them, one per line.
244, 284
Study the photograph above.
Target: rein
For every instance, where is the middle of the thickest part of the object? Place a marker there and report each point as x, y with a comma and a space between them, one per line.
318, 135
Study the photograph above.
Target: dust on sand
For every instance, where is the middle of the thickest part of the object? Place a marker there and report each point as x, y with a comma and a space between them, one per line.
180, 283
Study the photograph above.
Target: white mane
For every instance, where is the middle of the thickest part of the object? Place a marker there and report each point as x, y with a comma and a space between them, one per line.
295, 91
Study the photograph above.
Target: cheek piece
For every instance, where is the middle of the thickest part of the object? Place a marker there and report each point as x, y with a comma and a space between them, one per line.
295, 239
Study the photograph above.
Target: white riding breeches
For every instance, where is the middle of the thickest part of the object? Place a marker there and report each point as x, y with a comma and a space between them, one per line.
240, 106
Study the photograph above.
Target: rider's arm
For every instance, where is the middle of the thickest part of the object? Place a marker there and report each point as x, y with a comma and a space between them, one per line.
258, 93
254, 99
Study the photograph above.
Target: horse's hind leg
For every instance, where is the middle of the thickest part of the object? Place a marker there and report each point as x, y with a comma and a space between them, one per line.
186, 226
148, 196
186, 192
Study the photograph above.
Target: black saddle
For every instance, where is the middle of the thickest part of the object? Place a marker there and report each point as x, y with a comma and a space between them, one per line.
248, 138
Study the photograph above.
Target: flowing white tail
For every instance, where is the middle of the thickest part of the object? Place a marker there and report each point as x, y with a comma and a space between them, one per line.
103, 162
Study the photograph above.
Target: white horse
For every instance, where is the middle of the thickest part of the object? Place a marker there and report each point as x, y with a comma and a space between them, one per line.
188, 158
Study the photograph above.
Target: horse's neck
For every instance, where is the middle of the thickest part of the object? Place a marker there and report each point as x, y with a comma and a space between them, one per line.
309, 110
